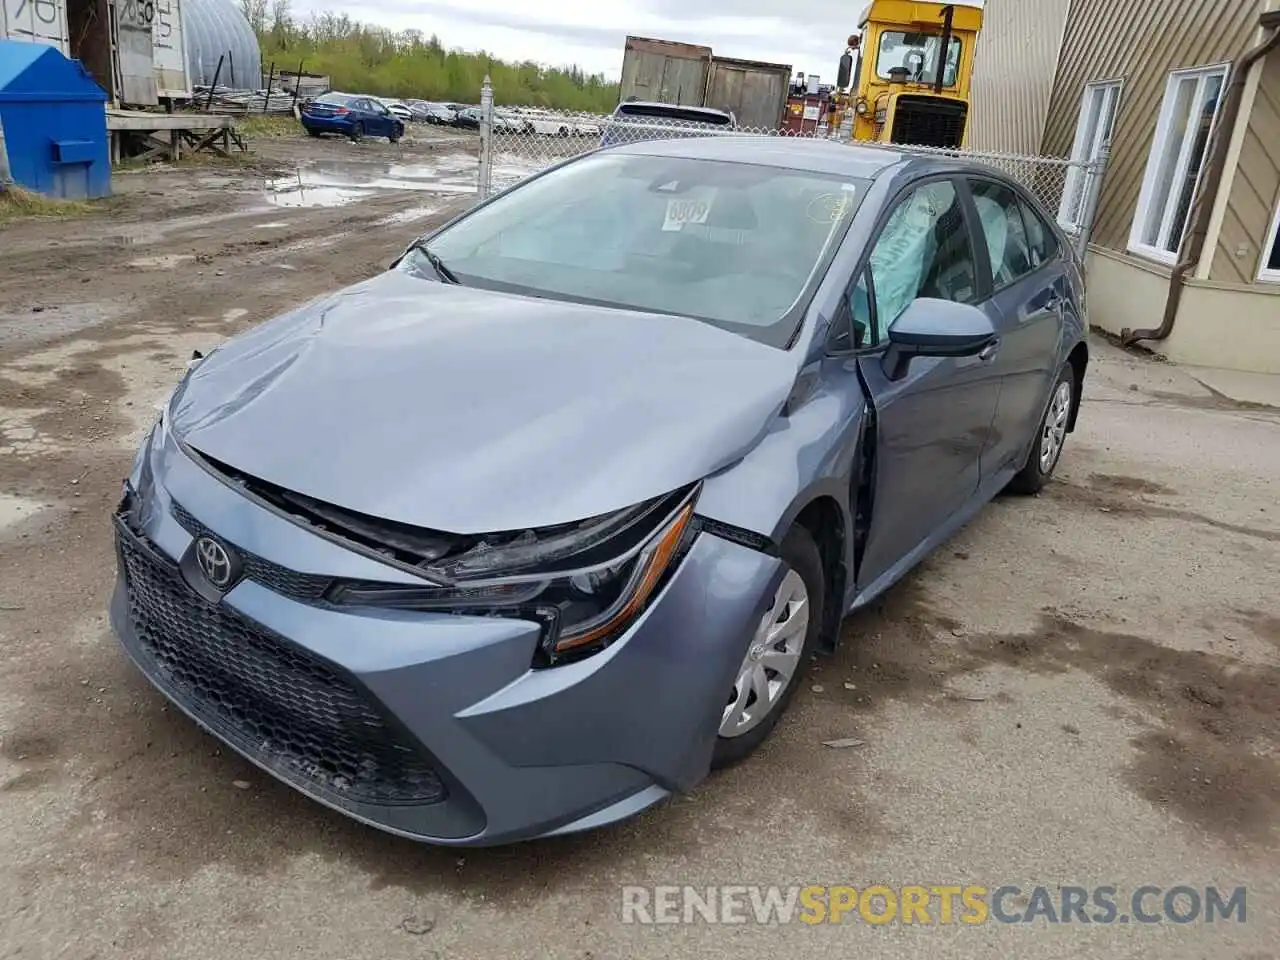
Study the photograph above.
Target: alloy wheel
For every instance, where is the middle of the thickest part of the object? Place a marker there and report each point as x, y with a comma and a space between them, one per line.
772, 659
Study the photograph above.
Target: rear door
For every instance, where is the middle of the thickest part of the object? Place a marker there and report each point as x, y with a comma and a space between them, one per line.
933, 423
1028, 282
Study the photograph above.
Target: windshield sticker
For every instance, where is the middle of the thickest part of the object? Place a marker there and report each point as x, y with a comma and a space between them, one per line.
685, 210
829, 207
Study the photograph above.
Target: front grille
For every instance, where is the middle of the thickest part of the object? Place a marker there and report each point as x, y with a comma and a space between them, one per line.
265, 695
929, 122
306, 587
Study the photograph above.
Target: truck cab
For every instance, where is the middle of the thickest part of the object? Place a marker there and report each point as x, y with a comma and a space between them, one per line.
914, 64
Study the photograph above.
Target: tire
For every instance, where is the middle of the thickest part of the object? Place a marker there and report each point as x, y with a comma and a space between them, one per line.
741, 729
357, 132
397, 134
312, 132
1051, 437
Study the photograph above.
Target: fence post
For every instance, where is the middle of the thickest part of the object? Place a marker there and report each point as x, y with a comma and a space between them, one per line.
486, 138
1092, 194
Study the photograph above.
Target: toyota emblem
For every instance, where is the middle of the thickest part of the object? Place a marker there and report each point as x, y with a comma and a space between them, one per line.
214, 562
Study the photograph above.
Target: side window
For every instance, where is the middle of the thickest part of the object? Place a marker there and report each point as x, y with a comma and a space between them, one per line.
1041, 240
923, 251
1002, 227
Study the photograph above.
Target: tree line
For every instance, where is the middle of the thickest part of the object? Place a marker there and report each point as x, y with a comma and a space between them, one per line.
364, 58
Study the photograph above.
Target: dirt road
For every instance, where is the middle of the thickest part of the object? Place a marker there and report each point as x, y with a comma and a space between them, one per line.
1082, 688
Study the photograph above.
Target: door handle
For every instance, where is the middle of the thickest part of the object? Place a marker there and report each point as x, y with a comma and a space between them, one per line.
988, 353
1054, 303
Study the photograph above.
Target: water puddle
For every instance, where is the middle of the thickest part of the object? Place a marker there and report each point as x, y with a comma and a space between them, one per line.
336, 183
405, 216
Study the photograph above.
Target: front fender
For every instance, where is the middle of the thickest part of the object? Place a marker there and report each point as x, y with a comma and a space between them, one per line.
809, 452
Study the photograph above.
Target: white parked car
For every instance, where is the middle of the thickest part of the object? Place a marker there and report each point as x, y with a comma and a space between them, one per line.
397, 107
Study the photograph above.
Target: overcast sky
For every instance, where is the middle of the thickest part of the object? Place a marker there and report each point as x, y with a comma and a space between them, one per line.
809, 35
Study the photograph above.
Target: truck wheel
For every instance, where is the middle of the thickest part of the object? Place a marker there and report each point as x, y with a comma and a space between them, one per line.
777, 653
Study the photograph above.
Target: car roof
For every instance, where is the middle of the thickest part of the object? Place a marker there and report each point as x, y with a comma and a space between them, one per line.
671, 107
803, 153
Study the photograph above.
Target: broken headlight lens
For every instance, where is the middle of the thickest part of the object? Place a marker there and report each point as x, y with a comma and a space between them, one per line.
581, 610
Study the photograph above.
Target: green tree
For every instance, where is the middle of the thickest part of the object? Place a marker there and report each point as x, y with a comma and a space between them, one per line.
364, 58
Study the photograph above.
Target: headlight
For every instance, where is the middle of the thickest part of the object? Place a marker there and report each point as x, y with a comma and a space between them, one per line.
582, 606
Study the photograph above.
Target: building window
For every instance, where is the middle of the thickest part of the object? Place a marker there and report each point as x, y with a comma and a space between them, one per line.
1191, 101
1098, 109
1270, 267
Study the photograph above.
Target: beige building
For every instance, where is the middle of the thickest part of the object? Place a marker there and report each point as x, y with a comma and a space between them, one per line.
1184, 255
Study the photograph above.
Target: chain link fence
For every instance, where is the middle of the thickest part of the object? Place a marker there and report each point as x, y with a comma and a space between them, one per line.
517, 142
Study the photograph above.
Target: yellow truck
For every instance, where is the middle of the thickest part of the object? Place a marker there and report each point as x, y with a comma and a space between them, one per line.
905, 77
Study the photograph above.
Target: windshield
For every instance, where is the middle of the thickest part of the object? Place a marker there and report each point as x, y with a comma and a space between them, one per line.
733, 244
917, 53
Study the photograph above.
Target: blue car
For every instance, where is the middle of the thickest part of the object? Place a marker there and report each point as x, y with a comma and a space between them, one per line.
351, 116
543, 523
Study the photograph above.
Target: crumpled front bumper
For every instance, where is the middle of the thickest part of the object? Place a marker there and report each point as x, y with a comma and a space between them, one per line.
432, 726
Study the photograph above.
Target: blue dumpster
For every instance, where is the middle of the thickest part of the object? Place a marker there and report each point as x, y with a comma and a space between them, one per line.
55, 122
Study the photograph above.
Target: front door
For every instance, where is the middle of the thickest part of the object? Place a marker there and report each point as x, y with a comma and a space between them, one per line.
933, 422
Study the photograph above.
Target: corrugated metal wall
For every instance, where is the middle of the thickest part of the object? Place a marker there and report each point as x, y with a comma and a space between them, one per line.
1255, 190
755, 93
1141, 43
1013, 73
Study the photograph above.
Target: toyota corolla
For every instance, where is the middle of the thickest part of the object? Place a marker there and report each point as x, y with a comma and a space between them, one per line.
540, 525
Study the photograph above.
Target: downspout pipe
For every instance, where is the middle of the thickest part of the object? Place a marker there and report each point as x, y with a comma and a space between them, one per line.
1207, 192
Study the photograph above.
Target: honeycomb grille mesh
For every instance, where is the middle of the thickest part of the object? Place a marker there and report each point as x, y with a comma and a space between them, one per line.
268, 697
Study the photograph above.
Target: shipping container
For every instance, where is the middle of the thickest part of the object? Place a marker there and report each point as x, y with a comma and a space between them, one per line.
754, 92
40, 21
664, 71
169, 41
144, 61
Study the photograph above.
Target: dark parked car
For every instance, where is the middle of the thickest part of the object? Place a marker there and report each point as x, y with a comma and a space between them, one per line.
352, 116
708, 397
468, 118
441, 114
643, 120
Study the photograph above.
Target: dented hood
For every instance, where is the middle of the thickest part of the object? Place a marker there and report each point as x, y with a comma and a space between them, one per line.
469, 411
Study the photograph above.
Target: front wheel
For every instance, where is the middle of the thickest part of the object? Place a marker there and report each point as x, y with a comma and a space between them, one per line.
1050, 437
396, 133
769, 674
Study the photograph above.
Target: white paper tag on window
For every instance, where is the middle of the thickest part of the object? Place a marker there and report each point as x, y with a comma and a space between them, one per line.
685, 210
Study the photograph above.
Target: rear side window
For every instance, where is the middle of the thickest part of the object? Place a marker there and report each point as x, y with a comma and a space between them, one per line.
1000, 218
1041, 240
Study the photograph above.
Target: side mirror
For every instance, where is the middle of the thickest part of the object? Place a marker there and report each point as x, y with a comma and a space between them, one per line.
845, 74
936, 328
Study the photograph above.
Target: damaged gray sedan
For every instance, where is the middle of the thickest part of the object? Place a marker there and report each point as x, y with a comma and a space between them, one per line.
542, 524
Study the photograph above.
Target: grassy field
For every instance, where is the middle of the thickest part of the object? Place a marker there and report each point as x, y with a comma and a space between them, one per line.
269, 126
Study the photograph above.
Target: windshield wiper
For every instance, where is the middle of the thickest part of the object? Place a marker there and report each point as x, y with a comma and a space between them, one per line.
439, 266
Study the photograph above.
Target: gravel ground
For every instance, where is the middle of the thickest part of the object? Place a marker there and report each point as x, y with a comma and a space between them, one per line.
1081, 688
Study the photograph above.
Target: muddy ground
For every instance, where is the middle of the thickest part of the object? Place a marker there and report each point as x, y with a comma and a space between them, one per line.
1081, 688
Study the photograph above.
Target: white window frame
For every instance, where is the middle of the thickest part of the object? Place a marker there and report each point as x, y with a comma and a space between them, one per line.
1202, 75
1104, 96
1266, 275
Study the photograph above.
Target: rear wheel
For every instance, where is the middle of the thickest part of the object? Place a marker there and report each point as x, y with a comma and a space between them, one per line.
1050, 438
357, 132
312, 131
769, 674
